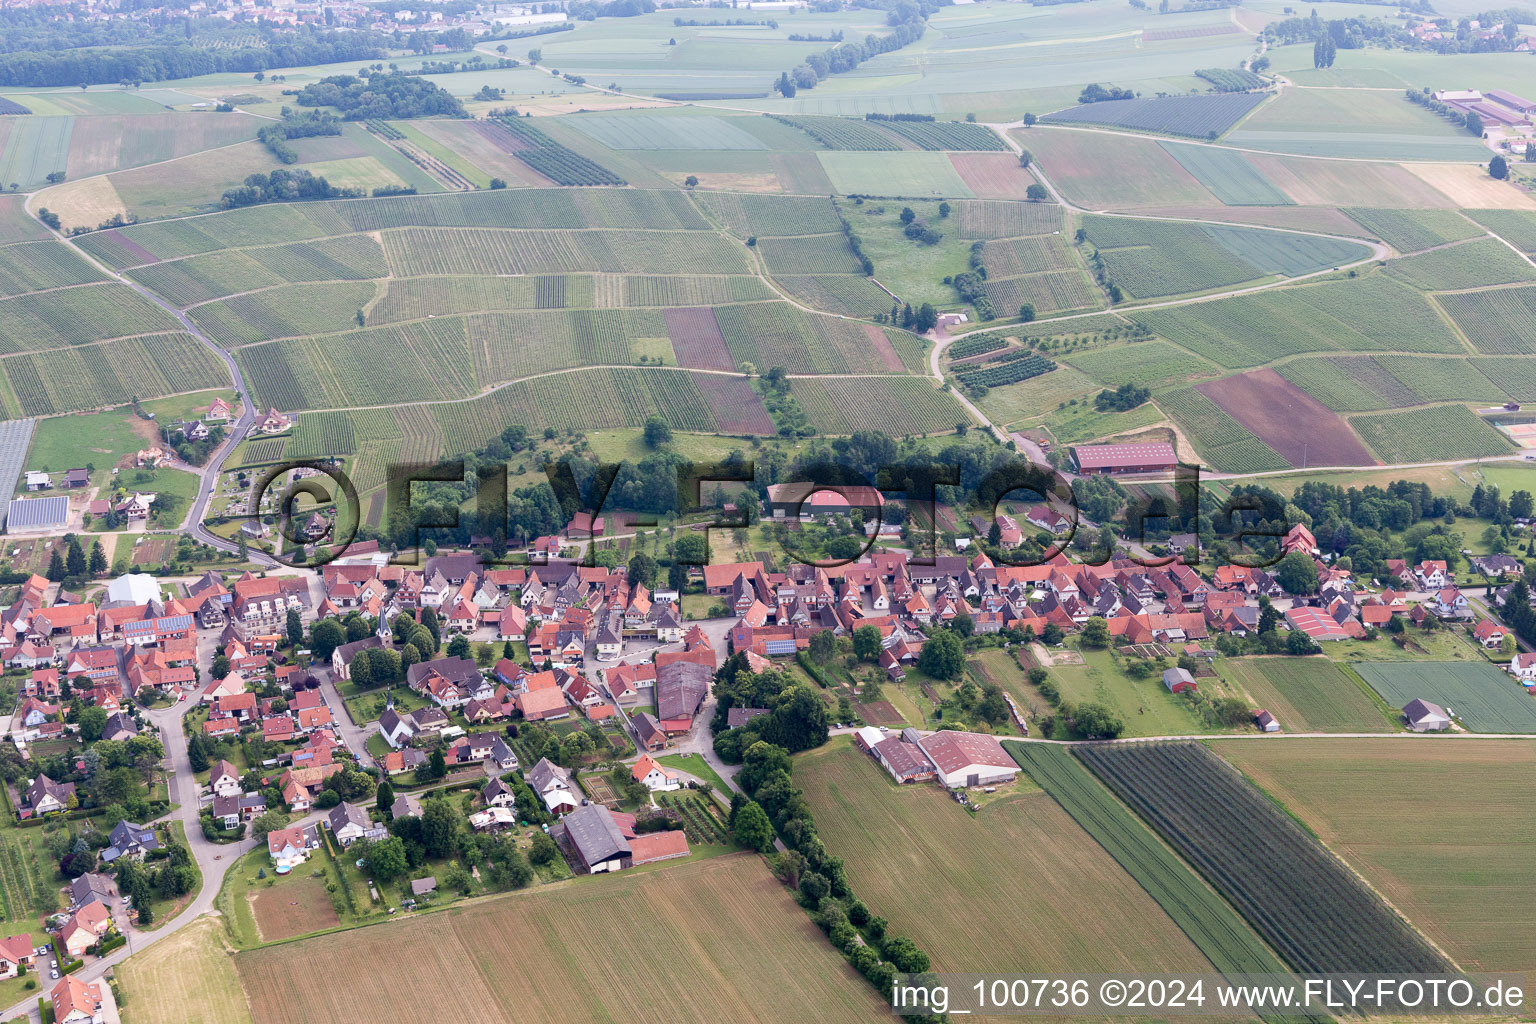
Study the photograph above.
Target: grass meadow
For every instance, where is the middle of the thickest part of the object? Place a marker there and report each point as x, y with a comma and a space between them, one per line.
1020, 884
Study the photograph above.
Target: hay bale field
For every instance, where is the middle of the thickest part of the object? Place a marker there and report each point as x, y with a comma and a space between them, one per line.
709, 940
1018, 887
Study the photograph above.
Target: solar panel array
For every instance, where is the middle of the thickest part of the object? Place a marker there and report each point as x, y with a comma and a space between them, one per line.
15, 439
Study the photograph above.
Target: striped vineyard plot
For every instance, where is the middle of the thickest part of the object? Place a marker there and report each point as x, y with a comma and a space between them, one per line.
697, 341
736, 406
1312, 909
899, 406
78, 315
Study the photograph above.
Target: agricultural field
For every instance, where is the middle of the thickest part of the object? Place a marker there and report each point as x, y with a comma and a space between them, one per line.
705, 923
1430, 435
777, 334
660, 131
1228, 174
808, 254
1460, 875
1032, 398
1296, 426
34, 148
1149, 259
746, 215
1438, 379
1482, 261
1315, 913
1496, 321
35, 266
1225, 444
1349, 383
1410, 231
1088, 167
1216, 930
899, 406
993, 175
1517, 227
1195, 117
1373, 312
186, 977
94, 376
98, 145
416, 252
1024, 887
1152, 363
981, 219
1349, 183
1483, 698
904, 175
1308, 694
284, 311
844, 294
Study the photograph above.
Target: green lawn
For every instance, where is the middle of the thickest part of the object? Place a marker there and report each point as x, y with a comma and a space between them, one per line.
97, 439
912, 270
369, 706
695, 765
166, 909
1145, 705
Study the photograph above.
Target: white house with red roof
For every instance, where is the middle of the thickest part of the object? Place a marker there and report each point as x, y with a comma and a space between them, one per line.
16, 952
653, 776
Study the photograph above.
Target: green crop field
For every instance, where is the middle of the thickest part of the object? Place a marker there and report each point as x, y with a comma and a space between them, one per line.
16, 225
1014, 257
1049, 292
650, 131
1513, 375
286, 311
1030, 399
92, 376
214, 275
1412, 230
32, 266
1435, 379
1228, 174
844, 133
34, 149
1495, 321
1518, 227
1349, 383
1081, 423
1459, 874
809, 254
892, 405
1224, 443
1025, 887
1154, 258
946, 135
415, 252
1199, 912
1430, 435
1195, 117
777, 334
1371, 312
1308, 694
992, 218
1152, 363
321, 433
1467, 265
843, 294
746, 215
915, 175
77, 315
1483, 698
1296, 895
